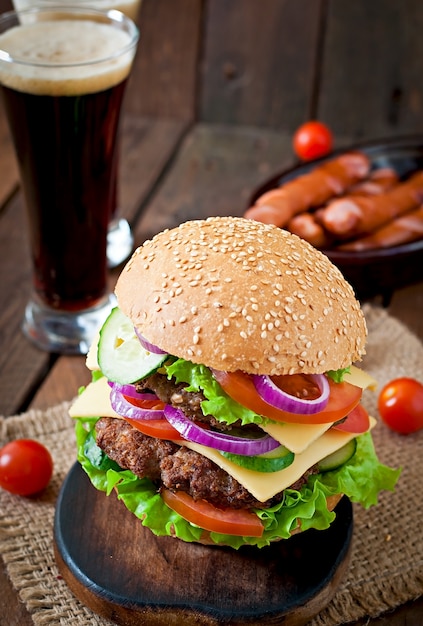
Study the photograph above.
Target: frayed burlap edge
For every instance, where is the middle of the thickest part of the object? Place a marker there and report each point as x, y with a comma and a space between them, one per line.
26, 524
386, 568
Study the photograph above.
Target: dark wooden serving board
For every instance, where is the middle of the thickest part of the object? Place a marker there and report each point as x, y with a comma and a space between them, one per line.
123, 572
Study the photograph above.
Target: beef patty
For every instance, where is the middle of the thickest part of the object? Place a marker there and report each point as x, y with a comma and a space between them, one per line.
175, 467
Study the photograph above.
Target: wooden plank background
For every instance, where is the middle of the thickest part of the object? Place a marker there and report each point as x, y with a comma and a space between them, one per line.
217, 90
258, 63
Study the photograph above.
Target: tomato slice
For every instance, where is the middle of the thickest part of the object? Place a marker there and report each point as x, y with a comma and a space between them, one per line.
358, 421
240, 387
160, 429
154, 404
200, 512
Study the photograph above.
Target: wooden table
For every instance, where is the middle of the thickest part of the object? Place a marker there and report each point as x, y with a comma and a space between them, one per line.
187, 154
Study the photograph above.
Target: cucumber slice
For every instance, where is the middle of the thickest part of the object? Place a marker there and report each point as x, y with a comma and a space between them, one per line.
120, 355
273, 461
338, 458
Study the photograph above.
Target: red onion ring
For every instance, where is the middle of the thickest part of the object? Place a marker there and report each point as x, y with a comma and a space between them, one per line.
220, 441
150, 347
130, 391
126, 409
273, 395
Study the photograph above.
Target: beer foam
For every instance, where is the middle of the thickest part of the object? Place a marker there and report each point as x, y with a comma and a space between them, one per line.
129, 7
65, 57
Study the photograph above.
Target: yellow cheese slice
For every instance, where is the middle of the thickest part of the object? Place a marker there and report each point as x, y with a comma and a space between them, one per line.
94, 401
91, 360
296, 437
360, 378
264, 486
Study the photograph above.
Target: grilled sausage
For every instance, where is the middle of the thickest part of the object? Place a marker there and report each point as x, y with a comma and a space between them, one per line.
404, 229
379, 181
313, 189
306, 226
352, 216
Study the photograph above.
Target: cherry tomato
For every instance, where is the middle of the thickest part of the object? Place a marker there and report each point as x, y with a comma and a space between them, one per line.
240, 387
26, 467
400, 405
312, 140
200, 512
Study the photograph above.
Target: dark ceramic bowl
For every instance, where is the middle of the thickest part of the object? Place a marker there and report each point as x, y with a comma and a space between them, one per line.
373, 272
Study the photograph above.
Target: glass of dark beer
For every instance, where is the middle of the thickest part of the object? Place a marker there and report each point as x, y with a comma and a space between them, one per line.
63, 73
120, 240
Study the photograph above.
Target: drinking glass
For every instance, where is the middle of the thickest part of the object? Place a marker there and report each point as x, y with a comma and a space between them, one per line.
120, 240
63, 73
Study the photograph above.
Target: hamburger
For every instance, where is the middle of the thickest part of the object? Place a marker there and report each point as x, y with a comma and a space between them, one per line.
225, 403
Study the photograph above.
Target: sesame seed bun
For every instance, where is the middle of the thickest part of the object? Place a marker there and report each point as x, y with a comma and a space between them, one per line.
236, 294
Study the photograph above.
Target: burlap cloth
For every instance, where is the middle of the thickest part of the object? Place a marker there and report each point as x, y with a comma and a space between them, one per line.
386, 567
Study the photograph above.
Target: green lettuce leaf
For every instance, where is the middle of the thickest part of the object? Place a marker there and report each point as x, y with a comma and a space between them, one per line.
218, 403
338, 375
361, 479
